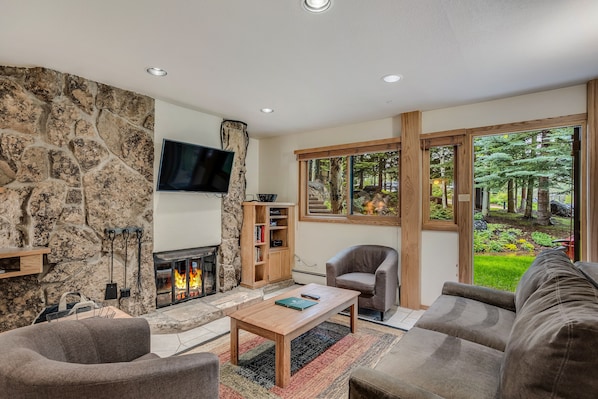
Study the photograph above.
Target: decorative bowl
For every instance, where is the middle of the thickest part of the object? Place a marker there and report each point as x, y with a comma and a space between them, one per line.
266, 197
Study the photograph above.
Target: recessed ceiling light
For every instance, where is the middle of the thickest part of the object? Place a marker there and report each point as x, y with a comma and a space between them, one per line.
156, 71
316, 5
392, 78
267, 110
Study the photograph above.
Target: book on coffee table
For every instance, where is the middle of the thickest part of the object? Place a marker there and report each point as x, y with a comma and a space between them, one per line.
295, 303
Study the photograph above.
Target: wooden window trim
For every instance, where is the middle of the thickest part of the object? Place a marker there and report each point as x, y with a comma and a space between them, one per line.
455, 138
364, 147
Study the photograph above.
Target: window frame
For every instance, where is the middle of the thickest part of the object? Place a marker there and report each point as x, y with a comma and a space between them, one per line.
344, 150
443, 139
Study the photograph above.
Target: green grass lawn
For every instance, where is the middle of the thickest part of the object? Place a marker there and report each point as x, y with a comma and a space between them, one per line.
502, 272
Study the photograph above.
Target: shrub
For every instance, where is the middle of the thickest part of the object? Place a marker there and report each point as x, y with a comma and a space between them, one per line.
510, 247
542, 239
437, 212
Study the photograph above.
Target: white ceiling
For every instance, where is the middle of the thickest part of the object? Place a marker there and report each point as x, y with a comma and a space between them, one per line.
232, 57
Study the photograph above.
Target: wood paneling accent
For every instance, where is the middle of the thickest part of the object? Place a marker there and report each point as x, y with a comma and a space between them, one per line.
411, 174
393, 144
464, 198
592, 139
536, 124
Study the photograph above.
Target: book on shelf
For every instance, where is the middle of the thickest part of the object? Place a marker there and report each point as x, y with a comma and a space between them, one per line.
258, 254
259, 233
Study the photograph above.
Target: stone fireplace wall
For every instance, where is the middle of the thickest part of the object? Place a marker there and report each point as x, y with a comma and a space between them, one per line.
76, 157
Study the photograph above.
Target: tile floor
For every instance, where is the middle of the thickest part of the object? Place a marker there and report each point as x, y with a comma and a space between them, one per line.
166, 345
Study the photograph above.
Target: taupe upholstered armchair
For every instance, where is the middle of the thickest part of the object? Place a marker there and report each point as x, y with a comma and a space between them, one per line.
372, 270
99, 358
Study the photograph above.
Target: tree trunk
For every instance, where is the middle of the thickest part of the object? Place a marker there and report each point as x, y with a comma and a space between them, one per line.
485, 201
544, 187
544, 201
529, 201
380, 172
335, 186
510, 196
523, 197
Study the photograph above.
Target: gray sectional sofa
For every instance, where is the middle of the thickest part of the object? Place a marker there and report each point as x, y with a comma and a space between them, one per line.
475, 342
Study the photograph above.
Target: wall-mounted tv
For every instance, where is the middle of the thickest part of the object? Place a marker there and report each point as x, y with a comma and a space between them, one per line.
192, 167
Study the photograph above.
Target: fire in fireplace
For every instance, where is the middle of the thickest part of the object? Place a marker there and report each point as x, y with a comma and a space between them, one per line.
184, 274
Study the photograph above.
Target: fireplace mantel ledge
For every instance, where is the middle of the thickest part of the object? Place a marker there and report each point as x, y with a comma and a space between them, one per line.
30, 260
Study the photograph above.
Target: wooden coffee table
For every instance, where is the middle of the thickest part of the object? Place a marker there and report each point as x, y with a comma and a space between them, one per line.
282, 325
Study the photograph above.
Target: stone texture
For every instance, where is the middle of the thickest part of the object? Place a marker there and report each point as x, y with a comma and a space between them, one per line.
44, 209
89, 277
131, 106
45, 84
234, 138
64, 167
12, 147
81, 92
73, 243
64, 183
72, 215
115, 196
84, 129
128, 142
34, 165
61, 122
18, 110
7, 175
74, 197
21, 300
89, 153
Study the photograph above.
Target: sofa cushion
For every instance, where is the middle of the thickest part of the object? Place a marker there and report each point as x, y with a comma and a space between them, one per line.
446, 366
589, 270
553, 349
469, 319
543, 267
362, 282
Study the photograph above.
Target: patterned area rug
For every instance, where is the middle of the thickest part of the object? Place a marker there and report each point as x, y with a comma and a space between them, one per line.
321, 361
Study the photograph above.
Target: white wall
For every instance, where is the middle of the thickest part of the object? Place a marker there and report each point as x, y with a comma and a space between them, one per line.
316, 242
185, 220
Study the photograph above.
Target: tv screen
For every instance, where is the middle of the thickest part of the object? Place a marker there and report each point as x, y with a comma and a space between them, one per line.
192, 167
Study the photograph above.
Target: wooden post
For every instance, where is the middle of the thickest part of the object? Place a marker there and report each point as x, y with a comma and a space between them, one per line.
592, 200
411, 200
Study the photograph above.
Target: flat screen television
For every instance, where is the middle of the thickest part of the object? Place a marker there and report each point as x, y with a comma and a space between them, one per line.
192, 167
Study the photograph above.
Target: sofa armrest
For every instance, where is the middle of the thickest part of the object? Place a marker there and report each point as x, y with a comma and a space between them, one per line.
369, 383
175, 376
491, 296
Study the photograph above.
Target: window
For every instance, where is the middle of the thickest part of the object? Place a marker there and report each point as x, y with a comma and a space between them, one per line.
439, 182
357, 183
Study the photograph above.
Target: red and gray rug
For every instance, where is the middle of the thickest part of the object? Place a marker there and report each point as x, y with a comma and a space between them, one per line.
321, 361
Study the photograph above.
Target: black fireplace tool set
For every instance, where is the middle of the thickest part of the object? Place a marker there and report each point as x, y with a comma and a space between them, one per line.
126, 232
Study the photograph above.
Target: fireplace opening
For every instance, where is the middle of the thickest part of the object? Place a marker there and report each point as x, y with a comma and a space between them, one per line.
184, 274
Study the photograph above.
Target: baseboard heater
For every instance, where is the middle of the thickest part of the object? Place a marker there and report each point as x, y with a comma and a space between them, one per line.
310, 273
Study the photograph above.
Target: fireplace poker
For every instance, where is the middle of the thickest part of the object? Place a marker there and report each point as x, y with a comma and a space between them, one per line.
111, 292
125, 292
139, 235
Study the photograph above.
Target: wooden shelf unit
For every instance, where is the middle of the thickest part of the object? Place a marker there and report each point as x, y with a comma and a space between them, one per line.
267, 242
31, 260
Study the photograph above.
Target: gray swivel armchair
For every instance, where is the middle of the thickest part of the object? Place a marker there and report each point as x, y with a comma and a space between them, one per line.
101, 359
372, 270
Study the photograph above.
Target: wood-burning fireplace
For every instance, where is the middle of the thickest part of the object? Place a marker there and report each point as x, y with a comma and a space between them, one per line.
184, 274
